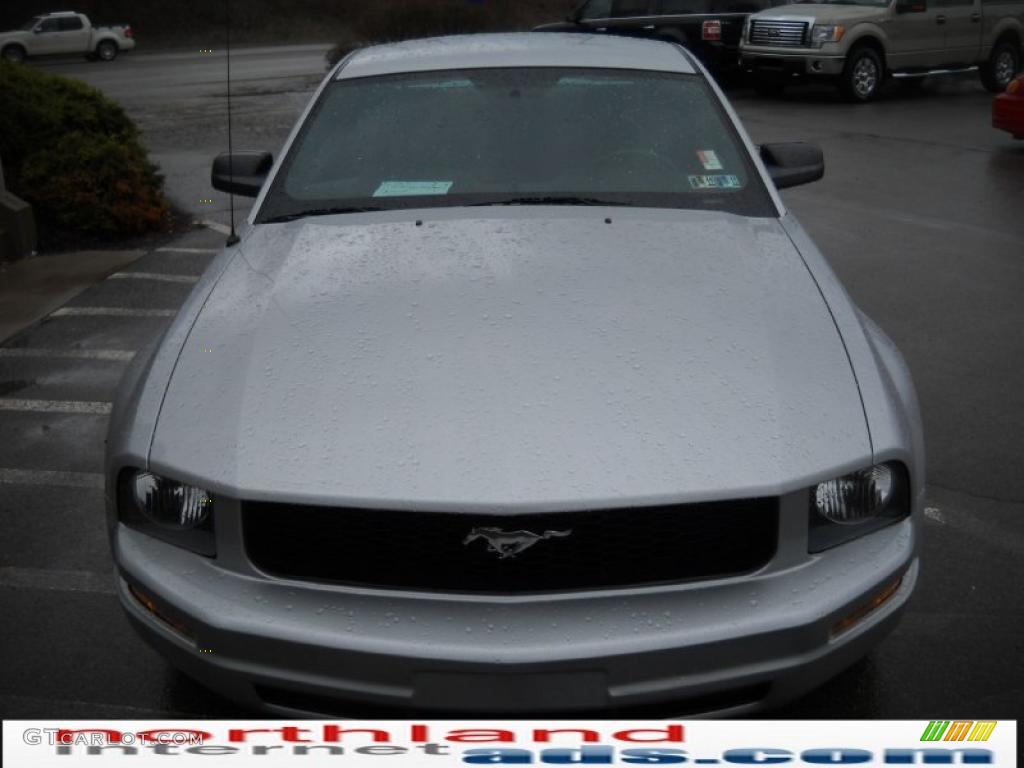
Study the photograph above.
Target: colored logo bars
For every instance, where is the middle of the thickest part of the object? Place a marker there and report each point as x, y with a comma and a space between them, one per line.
958, 730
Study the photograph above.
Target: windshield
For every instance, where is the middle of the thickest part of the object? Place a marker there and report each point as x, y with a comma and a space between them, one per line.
29, 25
517, 137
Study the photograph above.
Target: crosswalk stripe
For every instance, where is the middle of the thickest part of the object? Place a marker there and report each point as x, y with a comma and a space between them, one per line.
14, 577
156, 276
112, 312
117, 355
187, 250
53, 406
50, 477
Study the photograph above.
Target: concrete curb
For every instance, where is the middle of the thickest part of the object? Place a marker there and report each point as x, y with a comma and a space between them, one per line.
32, 288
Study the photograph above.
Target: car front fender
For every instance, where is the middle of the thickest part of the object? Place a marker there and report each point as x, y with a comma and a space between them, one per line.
141, 391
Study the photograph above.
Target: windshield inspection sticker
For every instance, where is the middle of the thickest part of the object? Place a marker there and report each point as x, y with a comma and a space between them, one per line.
412, 188
716, 181
709, 159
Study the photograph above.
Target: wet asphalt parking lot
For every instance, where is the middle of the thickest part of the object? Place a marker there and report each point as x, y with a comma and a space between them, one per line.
921, 213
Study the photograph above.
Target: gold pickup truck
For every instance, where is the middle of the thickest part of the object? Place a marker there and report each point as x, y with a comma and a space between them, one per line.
858, 43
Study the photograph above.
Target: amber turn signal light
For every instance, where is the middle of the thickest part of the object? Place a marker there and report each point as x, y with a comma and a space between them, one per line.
863, 610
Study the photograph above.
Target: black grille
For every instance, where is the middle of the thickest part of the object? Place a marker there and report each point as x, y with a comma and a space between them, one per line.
771, 32
436, 551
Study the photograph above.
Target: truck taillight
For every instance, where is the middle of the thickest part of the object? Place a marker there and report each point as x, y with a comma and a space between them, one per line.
711, 30
128, 30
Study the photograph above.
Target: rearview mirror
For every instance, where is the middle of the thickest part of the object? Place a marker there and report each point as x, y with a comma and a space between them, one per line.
793, 163
241, 173
911, 6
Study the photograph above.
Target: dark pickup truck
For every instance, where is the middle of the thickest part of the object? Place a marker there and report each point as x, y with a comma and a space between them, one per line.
711, 29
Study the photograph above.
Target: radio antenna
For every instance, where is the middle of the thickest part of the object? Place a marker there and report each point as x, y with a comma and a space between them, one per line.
233, 237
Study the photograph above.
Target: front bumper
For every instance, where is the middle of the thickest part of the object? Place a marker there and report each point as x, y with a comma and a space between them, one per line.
1008, 114
727, 646
808, 62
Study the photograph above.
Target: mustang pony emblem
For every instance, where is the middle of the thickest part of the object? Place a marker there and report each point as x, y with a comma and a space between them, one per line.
507, 544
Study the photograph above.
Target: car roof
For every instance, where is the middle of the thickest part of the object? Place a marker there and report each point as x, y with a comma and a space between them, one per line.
519, 49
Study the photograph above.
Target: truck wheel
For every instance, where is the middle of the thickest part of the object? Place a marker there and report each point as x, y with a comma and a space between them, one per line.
107, 50
14, 53
1002, 65
862, 75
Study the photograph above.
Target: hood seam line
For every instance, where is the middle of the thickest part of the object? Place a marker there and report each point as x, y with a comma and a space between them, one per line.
839, 332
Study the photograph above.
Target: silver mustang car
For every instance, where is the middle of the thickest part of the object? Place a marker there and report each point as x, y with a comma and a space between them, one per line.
521, 393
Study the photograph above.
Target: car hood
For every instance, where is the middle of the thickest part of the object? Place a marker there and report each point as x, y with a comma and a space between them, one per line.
825, 13
541, 358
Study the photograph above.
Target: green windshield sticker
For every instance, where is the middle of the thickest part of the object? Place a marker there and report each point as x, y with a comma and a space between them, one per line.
412, 188
709, 159
716, 181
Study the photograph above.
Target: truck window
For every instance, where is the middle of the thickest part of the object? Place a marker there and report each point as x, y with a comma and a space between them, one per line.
597, 9
679, 7
70, 24
48, 25
613, 9
622, 8
743, 6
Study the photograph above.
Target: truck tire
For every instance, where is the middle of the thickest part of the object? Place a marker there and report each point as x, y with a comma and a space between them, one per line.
1002, 66
106, 50
14, 53
862, 75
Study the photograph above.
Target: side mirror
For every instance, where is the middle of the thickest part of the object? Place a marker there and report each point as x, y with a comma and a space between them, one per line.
793, 163
37, 30
911, 6
241, 173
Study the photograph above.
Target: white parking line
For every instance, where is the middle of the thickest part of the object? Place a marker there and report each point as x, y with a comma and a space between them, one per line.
160, 277
117, 355
57, 581
49, 477
216, 226
187, 250
53, 406
112, 312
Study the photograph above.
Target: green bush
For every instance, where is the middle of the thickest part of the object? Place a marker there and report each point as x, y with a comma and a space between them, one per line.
76, 157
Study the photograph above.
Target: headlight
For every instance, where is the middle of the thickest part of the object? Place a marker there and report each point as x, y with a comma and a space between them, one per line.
171, 505
826, 33
852, 499
850, 506
175, 512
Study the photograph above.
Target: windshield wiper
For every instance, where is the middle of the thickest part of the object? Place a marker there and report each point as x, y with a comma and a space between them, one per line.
317, 212
550, 200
